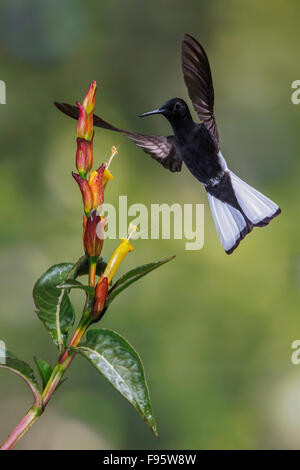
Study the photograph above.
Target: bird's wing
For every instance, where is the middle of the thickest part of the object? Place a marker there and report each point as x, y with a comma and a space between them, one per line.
161, 148
198, 79
73, 112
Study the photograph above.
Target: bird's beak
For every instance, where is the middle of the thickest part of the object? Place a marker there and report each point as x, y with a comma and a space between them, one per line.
155, 111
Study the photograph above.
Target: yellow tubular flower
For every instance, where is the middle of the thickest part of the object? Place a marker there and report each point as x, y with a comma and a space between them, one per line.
117, 258
107, 176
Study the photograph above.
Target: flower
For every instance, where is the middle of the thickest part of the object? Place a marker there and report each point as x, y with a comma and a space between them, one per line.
91, 190
86, 192
107, 176
100, 296
96, 185
84, 156
119, 254
89, 100
85, 119
93, 234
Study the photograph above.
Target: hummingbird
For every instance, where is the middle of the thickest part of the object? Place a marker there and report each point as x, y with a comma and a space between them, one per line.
236, 206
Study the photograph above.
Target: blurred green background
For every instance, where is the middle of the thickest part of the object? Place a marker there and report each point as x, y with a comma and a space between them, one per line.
214, 331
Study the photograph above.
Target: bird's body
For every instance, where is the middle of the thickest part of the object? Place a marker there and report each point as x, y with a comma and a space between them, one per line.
198, 152
236, 207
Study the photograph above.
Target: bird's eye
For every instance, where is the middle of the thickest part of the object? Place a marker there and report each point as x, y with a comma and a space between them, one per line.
177, 106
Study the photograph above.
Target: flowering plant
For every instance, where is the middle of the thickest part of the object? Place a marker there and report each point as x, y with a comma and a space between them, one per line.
106, 350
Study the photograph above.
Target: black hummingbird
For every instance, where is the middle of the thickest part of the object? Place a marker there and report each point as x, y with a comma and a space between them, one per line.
236, 207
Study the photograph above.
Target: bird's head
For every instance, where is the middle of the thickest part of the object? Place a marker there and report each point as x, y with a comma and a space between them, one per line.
175, 110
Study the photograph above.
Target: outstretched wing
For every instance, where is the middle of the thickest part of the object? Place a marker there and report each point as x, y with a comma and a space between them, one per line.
73, 112
161, 148
198, 79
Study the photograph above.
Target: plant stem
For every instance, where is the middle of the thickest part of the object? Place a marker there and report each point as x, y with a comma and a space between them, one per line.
23, 426
52, 384
60, 368
92, 272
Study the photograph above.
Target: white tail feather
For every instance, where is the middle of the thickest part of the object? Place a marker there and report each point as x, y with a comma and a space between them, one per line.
229, 222
257, 207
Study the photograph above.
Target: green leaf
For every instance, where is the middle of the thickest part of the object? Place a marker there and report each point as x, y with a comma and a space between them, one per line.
52, 302
73, 284
44, 369
53, 305
23, 370
121, 366
132, 276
